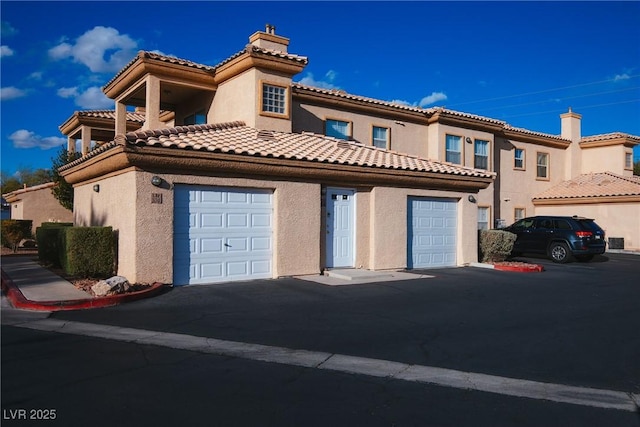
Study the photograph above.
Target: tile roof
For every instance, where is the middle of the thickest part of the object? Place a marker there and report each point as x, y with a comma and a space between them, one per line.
16, 193
531, 132
607, 136
236, 138
603, 184
111, 114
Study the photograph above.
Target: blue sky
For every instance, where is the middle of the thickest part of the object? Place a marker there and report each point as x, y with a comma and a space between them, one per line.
521, 62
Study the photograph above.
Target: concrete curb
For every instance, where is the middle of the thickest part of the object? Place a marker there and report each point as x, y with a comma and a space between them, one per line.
18, 300
530, 268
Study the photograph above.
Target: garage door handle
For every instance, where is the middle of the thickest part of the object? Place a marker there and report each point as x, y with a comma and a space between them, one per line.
227, 245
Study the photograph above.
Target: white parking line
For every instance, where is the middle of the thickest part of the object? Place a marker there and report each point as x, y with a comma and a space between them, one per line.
599, 398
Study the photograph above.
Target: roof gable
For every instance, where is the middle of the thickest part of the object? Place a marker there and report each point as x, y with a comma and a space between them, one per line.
593, 185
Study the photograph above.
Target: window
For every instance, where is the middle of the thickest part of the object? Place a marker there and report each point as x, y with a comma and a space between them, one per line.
518, 158
337, 129
274, 99
198, 118
454, 149
542, 166
481, 154
628, 160
483, 218
380, 137
518, 214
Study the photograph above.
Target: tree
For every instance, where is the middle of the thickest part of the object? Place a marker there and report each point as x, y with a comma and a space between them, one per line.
636, 168
24, 176
63, 191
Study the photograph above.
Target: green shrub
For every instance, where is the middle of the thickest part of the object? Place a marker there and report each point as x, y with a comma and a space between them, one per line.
50, 244
496, 245
13, 231
88, 251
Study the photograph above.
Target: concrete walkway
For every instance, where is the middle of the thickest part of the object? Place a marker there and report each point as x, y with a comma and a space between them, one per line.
37, 283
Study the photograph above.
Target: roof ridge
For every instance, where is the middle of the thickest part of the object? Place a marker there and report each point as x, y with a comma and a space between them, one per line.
150, 133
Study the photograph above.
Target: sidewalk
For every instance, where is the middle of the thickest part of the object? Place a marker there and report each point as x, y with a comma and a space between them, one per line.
27, 285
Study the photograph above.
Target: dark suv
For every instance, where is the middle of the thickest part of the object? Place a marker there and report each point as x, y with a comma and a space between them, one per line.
558, 237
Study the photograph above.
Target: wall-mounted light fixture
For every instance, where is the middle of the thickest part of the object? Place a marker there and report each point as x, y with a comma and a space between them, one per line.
96, 188
472, 199
469, 140
156, 181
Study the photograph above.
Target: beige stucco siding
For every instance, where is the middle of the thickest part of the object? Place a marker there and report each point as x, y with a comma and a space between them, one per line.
39, 206
617, 219
388, 241
404, 136
608, 158
115, 205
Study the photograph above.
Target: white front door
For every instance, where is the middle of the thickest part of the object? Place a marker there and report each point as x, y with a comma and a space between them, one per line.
340, 227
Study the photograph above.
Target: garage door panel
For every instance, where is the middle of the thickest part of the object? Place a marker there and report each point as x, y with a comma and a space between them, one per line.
432, 232
222, 234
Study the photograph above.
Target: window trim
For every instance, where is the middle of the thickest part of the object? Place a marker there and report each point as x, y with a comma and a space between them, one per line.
524, 159
548, 177
488, 208
461, 149
628, 155
335, 119
475, 140
287, 100
388, 142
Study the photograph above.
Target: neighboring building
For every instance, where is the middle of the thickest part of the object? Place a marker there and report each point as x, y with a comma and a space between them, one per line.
37, 204
6, 209
234, 171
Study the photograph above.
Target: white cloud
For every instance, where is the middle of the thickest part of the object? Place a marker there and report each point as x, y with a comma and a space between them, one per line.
68, 92
26, 139
6, 30
401, 102
36, 75
102, 50
620, 77
11, 92
5, 51
327, 83
432, 99
94, 98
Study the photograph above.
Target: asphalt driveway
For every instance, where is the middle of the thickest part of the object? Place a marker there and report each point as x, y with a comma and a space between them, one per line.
573, 324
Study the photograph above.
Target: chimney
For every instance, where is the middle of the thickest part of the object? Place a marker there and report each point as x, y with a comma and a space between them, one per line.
269, 40
570, 126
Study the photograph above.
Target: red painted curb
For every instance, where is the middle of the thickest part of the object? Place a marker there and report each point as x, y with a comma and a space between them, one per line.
532, 268
18, 300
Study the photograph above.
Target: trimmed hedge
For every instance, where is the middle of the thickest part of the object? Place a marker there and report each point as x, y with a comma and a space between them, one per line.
496, 245
50, 242
13, 231
88, 251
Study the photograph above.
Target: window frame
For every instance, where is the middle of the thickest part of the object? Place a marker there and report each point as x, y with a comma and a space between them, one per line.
488, 210
195, 115
488, 156
628, 160
524, 159
515, 213
461, 147
387, 144
349, 123
286, 100
548, 166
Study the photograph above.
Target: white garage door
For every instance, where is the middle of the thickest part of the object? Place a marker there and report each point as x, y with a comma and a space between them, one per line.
221, 234
432, 230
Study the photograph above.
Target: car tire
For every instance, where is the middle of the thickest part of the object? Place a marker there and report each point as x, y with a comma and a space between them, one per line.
584, 258
559, 252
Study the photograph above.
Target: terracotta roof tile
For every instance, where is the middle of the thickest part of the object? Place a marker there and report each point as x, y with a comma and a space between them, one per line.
111, 114
604, 184
236, 138
613, 135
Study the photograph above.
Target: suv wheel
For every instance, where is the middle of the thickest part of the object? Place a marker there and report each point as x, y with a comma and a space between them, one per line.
559, 253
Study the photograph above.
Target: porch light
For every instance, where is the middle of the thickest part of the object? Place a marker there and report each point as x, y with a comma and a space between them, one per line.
156, 181
472, 199
96, 188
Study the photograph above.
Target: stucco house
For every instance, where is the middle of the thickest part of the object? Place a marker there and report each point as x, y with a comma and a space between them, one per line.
38, 204
234, 171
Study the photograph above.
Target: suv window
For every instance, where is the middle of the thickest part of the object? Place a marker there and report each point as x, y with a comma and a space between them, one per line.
545, 223
523, 224
562, 224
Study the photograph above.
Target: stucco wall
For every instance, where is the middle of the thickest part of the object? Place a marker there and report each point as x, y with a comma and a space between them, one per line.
388, 241
404, 137
39, 206
114, 205
617, 219
600, 159
295, 234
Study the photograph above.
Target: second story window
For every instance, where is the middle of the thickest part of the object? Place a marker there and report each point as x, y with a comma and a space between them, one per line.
628, 160
481, 154
337, 129
380, 137
274, 99
542, 164
518, 158
453, 149
198, 118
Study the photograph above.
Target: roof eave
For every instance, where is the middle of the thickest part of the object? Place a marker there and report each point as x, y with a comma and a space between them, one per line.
590, 200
